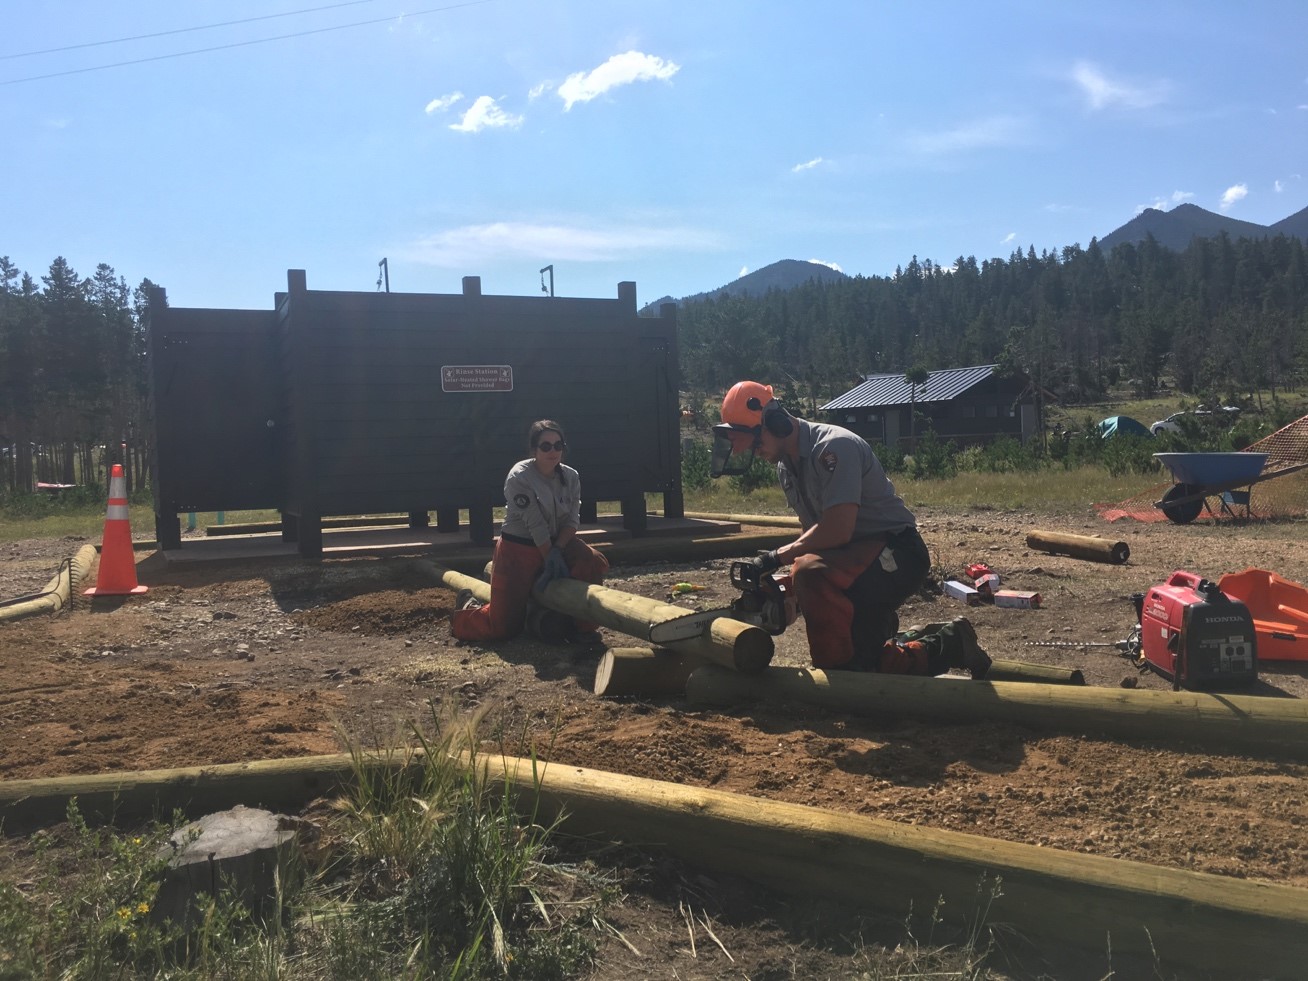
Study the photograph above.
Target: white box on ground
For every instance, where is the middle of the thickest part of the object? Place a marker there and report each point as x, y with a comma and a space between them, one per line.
962, 591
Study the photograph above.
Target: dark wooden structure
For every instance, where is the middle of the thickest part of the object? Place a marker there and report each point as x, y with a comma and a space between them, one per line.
342, 403
970, 406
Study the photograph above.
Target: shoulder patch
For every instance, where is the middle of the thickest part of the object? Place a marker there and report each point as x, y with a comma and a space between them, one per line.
522, 500
828, 460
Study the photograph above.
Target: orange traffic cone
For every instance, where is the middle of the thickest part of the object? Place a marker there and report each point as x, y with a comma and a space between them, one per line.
117, 575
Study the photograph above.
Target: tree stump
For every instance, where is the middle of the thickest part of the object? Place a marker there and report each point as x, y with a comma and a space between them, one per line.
246, 853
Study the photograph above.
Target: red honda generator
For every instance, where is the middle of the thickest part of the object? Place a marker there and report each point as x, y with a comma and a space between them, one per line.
1195, 635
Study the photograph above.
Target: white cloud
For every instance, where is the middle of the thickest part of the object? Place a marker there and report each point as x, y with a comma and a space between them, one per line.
829, 265
1303, 106
57, 123
1234, 193
443, 102
799, 168
622, 69
1102, 92
1278, 187
474, 245
538, 90
1008, 238
743, 271
485, 114
992, 131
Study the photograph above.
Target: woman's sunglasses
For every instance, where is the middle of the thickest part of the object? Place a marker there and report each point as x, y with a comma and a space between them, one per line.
549, 447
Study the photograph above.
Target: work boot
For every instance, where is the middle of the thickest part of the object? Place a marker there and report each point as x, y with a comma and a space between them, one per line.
973, 656
464, 600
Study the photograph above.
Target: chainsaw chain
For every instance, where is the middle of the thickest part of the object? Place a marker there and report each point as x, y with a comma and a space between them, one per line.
1075, 643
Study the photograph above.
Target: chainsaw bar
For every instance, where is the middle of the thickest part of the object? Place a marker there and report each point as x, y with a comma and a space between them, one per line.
689, 627
1076, 643
1127, 645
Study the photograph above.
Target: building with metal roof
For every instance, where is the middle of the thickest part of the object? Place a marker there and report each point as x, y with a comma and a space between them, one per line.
967, 405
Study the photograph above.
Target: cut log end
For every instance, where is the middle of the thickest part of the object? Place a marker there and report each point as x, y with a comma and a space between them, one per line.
643, 673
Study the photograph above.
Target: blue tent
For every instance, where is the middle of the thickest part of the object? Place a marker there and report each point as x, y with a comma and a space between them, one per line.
1121, 426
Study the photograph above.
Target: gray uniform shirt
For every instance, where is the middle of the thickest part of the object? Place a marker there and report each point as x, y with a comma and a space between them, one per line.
539, 508
834, 467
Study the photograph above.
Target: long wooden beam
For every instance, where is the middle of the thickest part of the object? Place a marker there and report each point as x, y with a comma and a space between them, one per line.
1223, 926
763, 520
730, 643
1229, 927
1221, 722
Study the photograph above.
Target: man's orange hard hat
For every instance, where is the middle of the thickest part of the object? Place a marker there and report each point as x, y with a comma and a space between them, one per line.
742, 407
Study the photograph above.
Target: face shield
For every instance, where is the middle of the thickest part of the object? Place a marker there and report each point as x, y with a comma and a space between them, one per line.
733, 449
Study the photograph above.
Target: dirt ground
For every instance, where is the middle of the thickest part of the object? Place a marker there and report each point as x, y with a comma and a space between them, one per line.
249, 662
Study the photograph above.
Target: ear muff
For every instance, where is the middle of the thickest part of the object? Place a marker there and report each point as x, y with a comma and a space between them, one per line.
778, 422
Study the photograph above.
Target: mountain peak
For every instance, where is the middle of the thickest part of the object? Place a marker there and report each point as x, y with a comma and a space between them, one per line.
1178, 227
784, 274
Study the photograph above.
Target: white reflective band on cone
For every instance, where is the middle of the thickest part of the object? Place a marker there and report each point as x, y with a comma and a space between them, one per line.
116, 512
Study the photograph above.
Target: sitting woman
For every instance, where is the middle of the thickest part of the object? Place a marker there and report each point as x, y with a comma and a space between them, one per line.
537, 542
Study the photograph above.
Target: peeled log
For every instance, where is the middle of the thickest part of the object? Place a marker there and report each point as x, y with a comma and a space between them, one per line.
278, 785
60, 591
1219, 722
730, 643
643, 672
1222, 926
1002, 670
454, 580
1079, 546
762, 520
1230, 927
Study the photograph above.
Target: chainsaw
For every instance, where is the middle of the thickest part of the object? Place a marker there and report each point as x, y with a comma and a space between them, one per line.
766, 600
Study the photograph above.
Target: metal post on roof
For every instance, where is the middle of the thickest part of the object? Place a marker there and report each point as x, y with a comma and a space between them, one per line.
384, 275
543, 288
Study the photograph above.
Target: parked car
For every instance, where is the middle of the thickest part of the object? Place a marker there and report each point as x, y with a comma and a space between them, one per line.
1225, 415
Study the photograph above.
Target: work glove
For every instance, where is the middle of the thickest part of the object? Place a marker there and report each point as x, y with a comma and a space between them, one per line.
767, 560
556, 567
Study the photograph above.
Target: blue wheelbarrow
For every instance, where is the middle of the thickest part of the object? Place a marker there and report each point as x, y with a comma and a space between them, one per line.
1226, 476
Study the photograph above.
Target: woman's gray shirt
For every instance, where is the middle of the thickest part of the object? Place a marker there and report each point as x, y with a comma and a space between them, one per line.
539, 507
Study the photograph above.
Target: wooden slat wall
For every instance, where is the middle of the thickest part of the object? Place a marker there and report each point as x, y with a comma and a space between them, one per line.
352, 382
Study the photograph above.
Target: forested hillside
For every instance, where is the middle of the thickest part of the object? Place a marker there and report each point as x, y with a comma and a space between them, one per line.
1222, 317
72, 375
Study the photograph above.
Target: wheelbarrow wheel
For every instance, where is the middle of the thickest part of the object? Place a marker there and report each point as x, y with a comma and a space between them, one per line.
1186, 511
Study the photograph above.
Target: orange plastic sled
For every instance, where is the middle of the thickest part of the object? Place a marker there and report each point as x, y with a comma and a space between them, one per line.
1279, 608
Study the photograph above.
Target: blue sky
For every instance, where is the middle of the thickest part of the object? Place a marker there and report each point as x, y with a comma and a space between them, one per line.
676, 144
